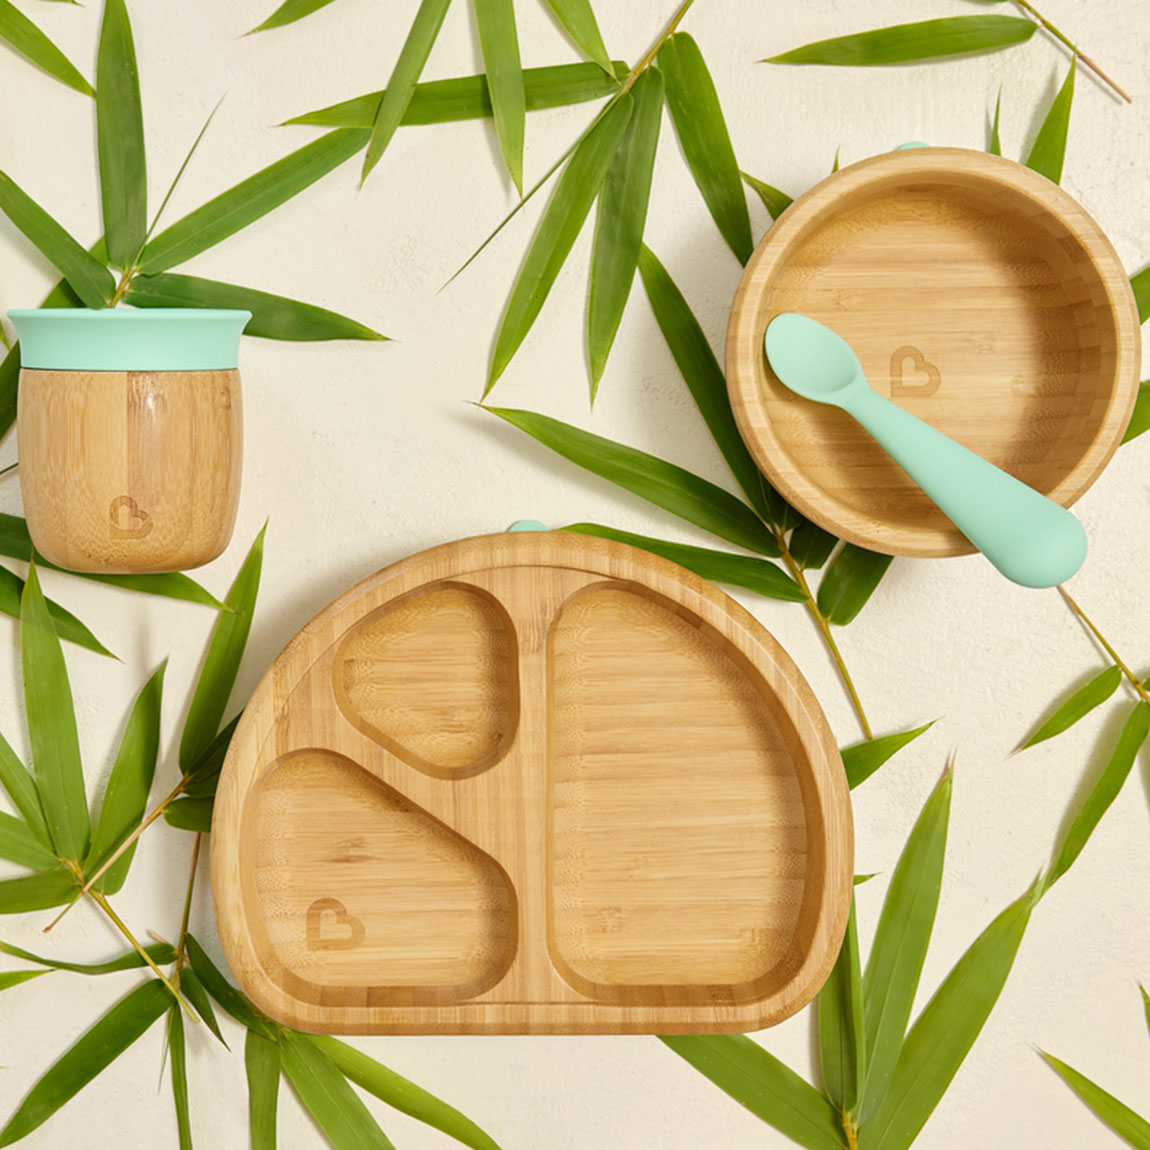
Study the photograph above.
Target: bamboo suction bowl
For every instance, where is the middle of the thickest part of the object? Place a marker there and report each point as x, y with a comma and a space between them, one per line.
532, 783
977, 295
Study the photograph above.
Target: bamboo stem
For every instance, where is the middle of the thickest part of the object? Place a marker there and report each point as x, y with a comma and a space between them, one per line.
182, 941
1135, 682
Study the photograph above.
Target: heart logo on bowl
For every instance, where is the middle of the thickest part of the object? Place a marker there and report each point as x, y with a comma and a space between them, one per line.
128, 519
316, 940
922, 379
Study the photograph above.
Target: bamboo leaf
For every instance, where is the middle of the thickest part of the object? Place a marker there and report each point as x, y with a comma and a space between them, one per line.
579, 23
128, 785
249, 200
11, 978
842, 1030
52, 726
910, 43
195, 993
499, 43
702, 132
273, 316
863, 759
178, 1060
946, 1030
770, 1090
18, 782
900, 944
401, 1094
262, 1063
560, 225
468, 98
1104, 792
756, 575
338, 1111
67, 625
33, 45
222, 662
689, 496
774, 201
620, 219
89, 278
849, 582
225, 994
995, 139
405, 74
810, 546
1126, 1123
1140, 283
93, 1053
1140, 419
19, 845
1049, 149
205, 771
289, 12
1077, 707
161, 953
37, 891
191, 815
120, 138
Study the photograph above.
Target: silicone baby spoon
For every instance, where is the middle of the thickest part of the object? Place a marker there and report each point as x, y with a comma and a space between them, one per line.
1029, 538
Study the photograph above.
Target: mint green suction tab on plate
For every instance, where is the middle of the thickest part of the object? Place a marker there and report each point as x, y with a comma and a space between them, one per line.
528, 525
129, 339
1029, 538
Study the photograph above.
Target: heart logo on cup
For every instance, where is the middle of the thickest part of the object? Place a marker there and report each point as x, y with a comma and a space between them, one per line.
351, 926
921, 379
128, 519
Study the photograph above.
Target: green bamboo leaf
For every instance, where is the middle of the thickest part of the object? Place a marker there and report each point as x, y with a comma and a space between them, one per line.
405, 74
1104, 792
204, 773
842, 1030
863, 759
580, 24
338, 1111
128, 785
947, 1028
10, 978
1077, 707
89, 278
770, 1090
756, 575
849, 582
468, 98
262, 1063
68, 627
900, 945
19, 845
499, 43
161, 953
222, 662
193, 990
289, 12
52, 726
708, 386
225, 994
127, 1021
620, 220
249, 200
1049, 150
273, 316
17, 781
120, 138
401, 1094
1145, 1004
909, 43
178, 1060
1126, 1123
810, 546
689, 496
33, 45
995, 138
561, 223
702, 132
191, 815
774, 201
1140, 419
37, 891
1141, 286
859, 879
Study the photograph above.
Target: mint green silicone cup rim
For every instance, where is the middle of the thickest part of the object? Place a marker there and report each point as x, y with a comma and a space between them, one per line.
129, 339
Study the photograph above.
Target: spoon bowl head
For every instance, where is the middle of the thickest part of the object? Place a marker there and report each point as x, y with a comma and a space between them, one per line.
811, 359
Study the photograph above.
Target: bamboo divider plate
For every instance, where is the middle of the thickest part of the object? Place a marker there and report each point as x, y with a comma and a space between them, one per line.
977, 295
532, 782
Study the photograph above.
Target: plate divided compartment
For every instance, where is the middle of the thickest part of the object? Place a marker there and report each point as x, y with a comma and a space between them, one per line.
532, 783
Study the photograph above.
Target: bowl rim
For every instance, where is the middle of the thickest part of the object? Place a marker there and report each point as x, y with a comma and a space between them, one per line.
745, 336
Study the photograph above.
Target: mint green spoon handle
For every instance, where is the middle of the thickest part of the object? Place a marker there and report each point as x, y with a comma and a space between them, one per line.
1029, 538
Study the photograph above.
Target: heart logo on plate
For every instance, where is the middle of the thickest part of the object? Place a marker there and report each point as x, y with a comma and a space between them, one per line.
353, 929
922, 378
128, 519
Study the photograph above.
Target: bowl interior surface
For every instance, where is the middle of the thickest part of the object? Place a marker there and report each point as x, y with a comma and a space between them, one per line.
971, 303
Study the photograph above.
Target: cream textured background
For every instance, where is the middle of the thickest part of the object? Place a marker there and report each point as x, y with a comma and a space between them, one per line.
362, 454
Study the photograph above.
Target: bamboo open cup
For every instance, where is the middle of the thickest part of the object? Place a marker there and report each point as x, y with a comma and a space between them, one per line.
979, 296
130, 435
